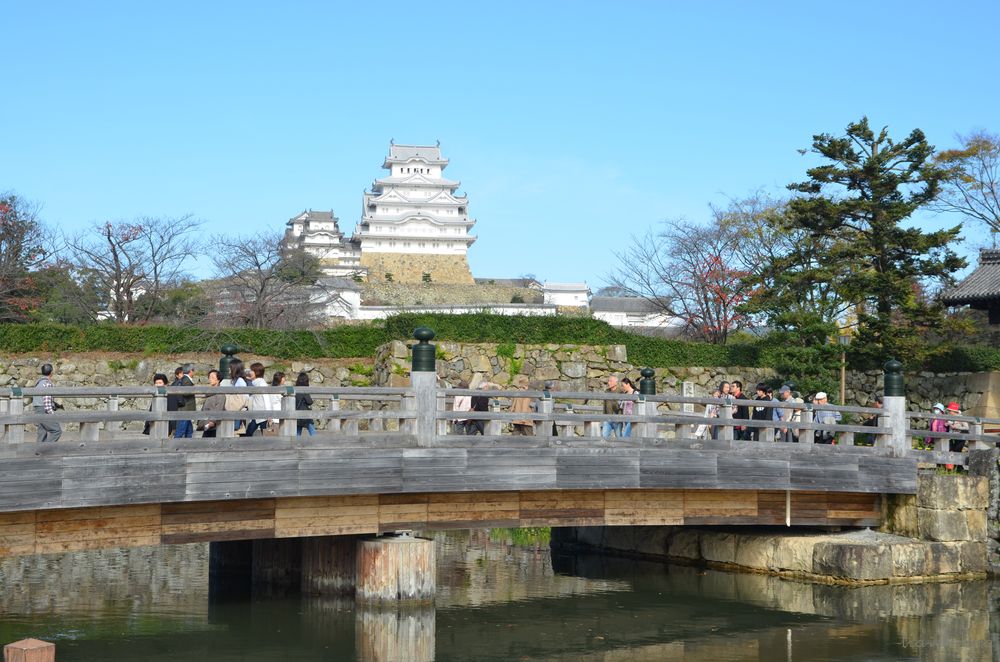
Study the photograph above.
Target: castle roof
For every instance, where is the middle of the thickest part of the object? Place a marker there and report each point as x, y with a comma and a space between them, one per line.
404, 153
310, 215
981, 287
416, 180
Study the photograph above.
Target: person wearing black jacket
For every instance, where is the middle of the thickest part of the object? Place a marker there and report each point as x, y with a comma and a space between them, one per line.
480, 403
175, 402
304, 402
740, 412
760, 413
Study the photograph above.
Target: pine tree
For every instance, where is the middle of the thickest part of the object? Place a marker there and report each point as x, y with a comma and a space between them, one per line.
857, 203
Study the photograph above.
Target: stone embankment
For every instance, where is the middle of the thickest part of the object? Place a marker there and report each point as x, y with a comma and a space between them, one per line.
939, 534
587, 367
134, 370
570, 367
381, 293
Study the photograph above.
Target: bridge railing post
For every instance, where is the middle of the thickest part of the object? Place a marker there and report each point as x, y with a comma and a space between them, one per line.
287, 427
90, 430
647, 386
645, 409
806, 436
4, 409
726, 419
333, 424
494, 426
567, 428
544, 428
159, 429
440, 404
976, 429
897, 443
109, 426
423, 379
766, 434
15, 431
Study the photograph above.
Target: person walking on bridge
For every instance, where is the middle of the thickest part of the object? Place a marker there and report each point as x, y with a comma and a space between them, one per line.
47, 430
611, 408
825, 417
185, 429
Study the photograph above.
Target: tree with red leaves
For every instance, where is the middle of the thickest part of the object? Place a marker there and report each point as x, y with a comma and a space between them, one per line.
692, 272
24, 246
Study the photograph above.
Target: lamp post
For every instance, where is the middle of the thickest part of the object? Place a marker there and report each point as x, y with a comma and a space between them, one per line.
844, 339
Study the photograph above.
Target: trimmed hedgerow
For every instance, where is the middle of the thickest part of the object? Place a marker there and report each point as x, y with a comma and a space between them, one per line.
351, 341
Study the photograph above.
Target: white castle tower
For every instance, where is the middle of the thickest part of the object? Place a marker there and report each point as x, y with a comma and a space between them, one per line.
413, 227
318, 233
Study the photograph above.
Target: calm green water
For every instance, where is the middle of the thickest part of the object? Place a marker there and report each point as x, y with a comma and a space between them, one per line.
497, 600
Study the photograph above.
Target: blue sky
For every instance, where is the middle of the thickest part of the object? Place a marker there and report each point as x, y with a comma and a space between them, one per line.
572, 126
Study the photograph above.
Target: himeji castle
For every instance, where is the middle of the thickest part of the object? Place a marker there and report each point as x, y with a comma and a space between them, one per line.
413, 227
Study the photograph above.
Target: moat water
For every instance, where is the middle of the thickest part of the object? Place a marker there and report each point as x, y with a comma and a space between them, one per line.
502, 595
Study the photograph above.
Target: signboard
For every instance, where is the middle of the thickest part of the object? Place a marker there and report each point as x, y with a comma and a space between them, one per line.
687, 390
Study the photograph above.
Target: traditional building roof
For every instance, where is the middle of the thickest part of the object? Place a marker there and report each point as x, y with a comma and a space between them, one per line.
566, 287
981, 289
427, 153
623, 305
415, 180
982, 286
311, 215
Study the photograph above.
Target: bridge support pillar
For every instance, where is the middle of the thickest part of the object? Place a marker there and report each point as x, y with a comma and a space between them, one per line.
396, 569
328, 565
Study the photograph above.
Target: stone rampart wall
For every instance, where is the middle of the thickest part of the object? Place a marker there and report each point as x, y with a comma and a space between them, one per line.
586, 368
938, 534
411, 267
135, 370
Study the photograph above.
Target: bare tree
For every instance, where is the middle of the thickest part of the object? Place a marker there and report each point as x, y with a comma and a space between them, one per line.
131, 263
25, 244
688, 271
781, 260
972, 185
262, 286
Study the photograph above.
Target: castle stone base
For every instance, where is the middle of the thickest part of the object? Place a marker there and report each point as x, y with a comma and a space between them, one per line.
410, 268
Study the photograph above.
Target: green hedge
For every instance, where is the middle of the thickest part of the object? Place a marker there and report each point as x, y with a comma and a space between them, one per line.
338, 342
964, 358
350, 341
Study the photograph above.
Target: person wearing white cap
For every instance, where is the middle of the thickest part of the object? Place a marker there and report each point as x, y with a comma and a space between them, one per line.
826, 417
937, 425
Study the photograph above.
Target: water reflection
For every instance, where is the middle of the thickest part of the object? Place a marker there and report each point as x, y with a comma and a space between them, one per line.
497, 600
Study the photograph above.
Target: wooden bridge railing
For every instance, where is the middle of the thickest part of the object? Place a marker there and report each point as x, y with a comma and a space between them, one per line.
425, 411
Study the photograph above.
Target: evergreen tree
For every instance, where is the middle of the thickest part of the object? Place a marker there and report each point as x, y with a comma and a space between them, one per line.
856, 204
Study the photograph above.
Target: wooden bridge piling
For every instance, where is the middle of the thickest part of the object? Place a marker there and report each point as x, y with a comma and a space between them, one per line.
29, 650
397, 568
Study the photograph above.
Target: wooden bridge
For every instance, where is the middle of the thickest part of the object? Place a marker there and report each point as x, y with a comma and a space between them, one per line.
383, 460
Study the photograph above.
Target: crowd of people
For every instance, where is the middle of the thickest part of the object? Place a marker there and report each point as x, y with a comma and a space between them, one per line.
239, 377
206, 424
778, 409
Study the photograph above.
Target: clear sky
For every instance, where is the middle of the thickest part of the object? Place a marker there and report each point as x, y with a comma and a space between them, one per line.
572, 125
